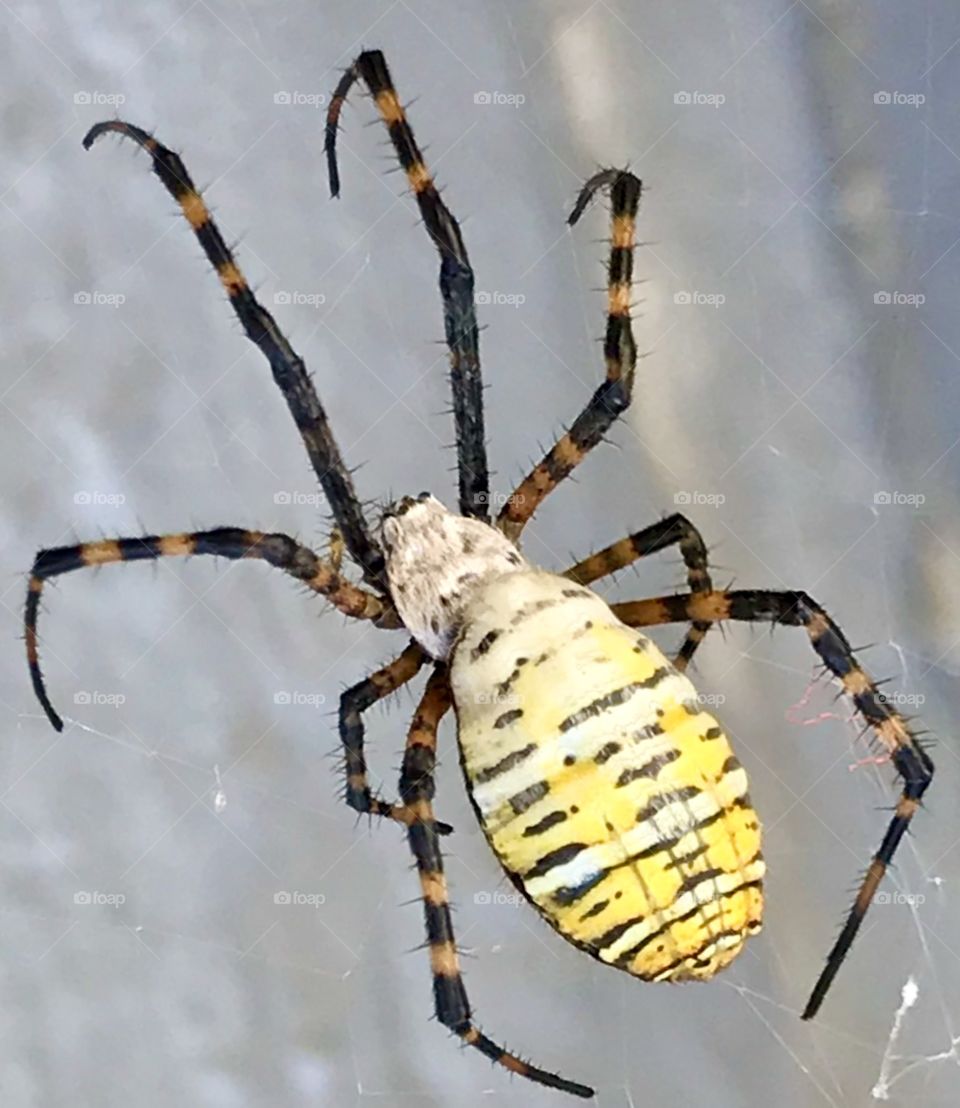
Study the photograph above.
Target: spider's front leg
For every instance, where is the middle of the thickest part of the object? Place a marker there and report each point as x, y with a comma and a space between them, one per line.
353, 703
449, 993
456, 273
612, 398
226, 542
673, 530
289, 370
796, 609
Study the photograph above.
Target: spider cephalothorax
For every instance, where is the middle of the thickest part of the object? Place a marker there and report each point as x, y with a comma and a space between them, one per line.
436, 560
611, 797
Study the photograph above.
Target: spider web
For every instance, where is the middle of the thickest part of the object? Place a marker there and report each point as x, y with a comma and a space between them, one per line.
774, 418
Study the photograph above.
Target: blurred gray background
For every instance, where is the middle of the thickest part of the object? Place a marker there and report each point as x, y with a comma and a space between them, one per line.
801, 398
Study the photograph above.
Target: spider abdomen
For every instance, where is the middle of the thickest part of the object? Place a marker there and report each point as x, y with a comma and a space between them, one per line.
611, 798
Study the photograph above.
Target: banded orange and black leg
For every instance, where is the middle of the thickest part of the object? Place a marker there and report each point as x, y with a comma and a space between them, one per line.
456, 273
261, 328
613, 396
674, 530
353, 703
888, 727
449, 994
234, 543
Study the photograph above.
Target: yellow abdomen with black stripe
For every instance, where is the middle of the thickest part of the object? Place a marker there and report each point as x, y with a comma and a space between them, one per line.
613, 801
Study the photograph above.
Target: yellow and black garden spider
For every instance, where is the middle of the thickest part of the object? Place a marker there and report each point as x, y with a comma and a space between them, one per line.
613, 801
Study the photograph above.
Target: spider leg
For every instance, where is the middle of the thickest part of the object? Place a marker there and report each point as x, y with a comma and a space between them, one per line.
353, 703
612, 398
673, 530
416, 789
288, 367
227, 542
456, 274
796, 609
335, 548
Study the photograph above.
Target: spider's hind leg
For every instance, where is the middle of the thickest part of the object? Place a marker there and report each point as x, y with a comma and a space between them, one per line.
449, 994
673, 530
796, 609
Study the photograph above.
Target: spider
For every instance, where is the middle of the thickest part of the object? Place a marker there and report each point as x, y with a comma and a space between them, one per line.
612, 800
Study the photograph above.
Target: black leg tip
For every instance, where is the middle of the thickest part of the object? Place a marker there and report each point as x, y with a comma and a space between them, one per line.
95, 132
